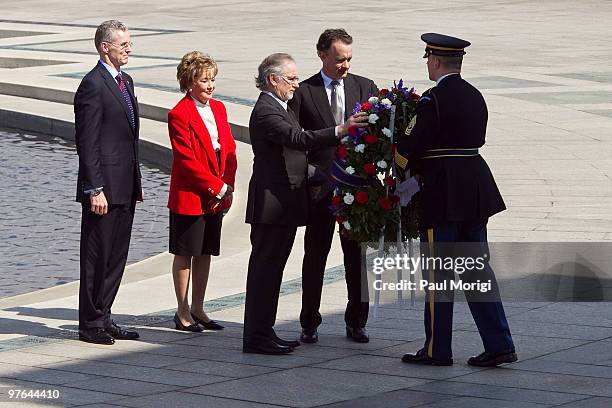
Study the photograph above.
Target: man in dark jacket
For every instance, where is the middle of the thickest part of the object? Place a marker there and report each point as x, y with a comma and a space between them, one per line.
327, 99
108, 186
278, 197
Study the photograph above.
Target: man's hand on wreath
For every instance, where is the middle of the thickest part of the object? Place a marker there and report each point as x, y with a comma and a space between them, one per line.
358, 120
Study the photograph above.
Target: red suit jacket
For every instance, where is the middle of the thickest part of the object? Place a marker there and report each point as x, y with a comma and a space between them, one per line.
196, 177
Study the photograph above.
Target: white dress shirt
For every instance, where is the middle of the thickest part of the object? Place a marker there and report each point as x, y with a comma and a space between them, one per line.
208, 118
282, 103
327, 82
444, 76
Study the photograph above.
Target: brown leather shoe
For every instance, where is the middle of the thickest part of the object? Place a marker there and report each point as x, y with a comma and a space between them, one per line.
422, 358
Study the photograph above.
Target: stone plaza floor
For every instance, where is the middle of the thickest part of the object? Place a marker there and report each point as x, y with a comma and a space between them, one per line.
544, 69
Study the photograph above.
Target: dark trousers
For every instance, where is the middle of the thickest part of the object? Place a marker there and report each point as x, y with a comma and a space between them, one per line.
105, 240
487, 309
270, 249
317, 244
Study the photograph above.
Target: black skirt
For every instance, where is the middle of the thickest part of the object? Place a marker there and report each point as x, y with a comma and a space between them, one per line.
195, 235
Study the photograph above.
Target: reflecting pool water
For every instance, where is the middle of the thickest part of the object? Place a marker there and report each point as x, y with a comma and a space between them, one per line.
40, 221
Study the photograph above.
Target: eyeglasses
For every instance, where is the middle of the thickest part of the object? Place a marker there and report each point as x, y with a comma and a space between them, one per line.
292, 80
123, 46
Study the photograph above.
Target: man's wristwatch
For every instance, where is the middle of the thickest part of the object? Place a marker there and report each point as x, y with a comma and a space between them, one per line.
95, 193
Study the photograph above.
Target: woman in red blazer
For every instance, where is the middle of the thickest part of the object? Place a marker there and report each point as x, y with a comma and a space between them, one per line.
201, 185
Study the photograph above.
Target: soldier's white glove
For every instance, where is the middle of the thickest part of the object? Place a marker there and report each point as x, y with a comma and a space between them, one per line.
406, 189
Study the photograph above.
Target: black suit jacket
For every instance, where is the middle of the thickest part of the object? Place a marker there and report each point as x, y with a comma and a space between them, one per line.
106, 143
278, 191
313, 111
451, 115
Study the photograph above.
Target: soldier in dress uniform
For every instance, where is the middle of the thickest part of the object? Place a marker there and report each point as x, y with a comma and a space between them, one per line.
457, 196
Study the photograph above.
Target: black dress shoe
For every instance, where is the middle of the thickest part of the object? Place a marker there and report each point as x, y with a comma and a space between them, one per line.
269, 347
121, 334
286, 343
422, 358
359, 334
96, 335
178, 325
309, 336
488, 359
211, 325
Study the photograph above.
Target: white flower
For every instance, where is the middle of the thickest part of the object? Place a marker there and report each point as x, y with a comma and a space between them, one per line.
386, 132
344, 140
382, 164
346, 225
360, 148
373, 100
373, 118
350, 170
348, 198
386, 102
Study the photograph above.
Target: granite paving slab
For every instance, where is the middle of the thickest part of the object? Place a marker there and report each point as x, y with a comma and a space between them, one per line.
294, 387
155, 375
188, 400
399, 398
394, 367
601, 387
499, 392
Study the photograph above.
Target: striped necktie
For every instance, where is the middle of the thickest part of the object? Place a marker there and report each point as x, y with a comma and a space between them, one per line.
127, 98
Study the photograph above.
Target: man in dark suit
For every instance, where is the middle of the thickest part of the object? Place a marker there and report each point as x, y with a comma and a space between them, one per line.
457, 196
278, 196
323, 100
108, 186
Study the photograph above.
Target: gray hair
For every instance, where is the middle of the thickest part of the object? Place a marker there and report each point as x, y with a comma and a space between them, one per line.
451, 62
106, 31
272, 64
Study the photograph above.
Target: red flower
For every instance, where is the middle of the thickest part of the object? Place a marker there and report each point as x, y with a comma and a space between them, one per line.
383, 92
362, 197
369, 168
384, 203
342, 152
340, 219
390, 181
352, 130
336, 200
366, 106
370, 138
416, 96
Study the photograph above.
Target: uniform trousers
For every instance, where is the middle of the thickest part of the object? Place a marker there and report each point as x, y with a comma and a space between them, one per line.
486, 308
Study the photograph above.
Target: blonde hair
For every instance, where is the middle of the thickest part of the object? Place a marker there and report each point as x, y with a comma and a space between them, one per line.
192, 66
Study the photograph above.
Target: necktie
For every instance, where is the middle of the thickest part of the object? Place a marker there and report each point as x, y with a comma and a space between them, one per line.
127, 98
336, 105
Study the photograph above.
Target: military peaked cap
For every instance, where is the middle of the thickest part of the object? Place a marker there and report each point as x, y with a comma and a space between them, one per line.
444, 45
